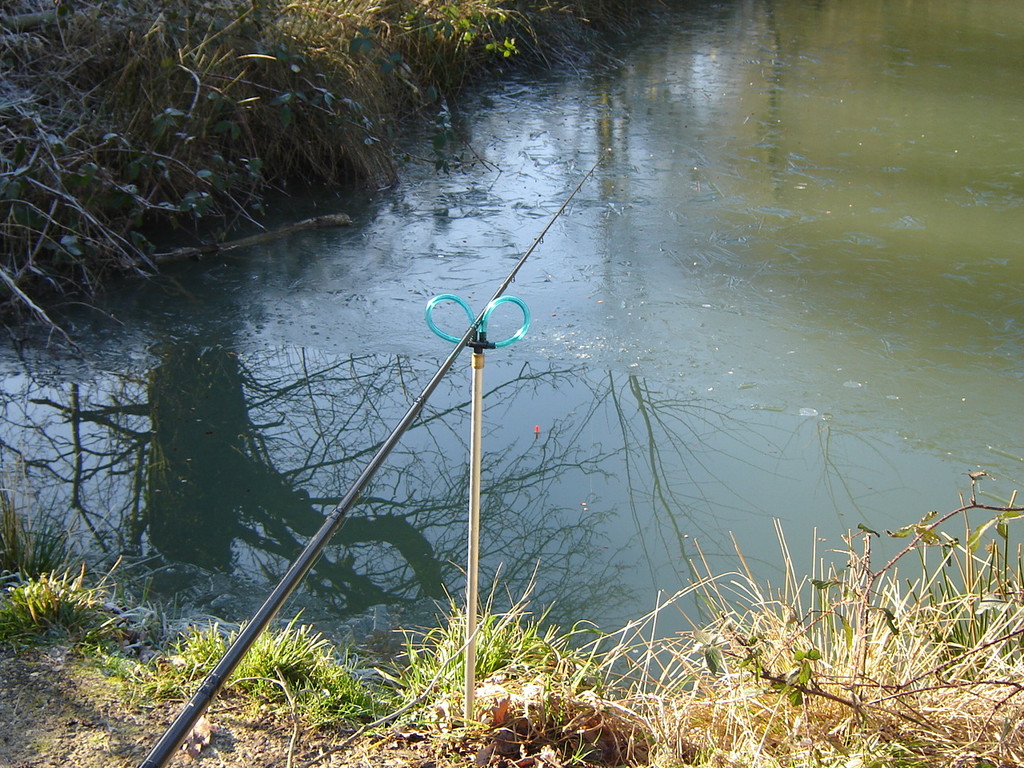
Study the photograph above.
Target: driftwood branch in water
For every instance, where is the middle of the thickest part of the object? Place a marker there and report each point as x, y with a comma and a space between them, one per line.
21, 296
22, 22
317, 222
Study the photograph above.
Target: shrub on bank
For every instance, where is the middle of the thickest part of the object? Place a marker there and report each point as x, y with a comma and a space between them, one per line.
118, 117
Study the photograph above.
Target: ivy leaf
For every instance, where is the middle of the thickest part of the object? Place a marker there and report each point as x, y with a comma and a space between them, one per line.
847, 632
713, 658
363, 43
890, 620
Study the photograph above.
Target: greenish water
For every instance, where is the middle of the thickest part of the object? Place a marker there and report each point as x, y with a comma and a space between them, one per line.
792, 291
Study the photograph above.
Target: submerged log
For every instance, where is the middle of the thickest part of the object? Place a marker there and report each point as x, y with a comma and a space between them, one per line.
23, 22
317, 222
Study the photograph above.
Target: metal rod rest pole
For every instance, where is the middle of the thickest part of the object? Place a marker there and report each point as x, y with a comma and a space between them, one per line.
473, 559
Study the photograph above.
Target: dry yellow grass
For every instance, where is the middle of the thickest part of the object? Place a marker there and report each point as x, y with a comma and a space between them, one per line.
914, 661
855, 666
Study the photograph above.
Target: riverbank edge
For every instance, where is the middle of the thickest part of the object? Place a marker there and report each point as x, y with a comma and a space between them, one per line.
856, 664
121, 120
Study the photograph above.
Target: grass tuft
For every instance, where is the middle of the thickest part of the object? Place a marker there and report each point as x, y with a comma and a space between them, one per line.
29, 546
291, 668
513, 643
540, 688
56, 606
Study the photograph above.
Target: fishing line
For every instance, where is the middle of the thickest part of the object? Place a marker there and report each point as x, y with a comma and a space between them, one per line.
183, 724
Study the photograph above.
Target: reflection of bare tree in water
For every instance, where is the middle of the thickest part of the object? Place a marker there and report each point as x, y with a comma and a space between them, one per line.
212, 486
198, 449
670, 466
231, 465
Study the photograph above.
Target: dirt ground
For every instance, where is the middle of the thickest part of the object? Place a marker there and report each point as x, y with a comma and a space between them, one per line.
55, 710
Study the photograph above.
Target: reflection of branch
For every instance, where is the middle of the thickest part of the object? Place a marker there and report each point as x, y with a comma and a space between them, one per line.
235, 446
830, 468
403, 536
654, 459
359, 590
440, 498
435, 416
655, 435
670, 452
102, 416
76, 486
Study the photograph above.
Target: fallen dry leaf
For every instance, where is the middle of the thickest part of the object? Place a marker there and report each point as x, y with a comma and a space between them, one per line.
197, 738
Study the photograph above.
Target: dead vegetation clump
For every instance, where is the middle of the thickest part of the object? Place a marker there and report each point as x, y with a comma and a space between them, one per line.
918, 661
856, 665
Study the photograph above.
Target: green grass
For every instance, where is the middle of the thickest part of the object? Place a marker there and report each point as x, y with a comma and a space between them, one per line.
513, 644
60, 607
292, 668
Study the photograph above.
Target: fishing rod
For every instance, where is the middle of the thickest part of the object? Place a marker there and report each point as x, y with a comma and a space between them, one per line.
186, 720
